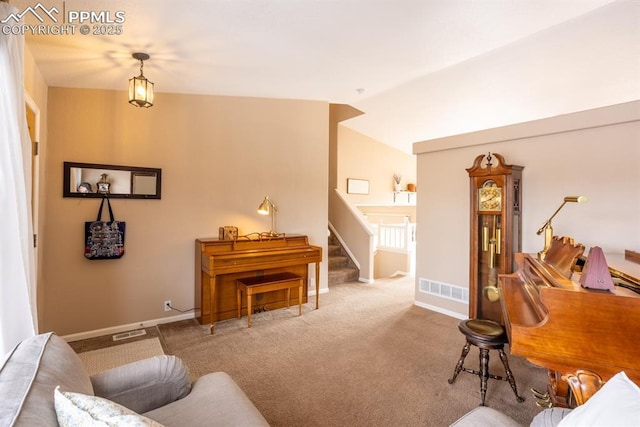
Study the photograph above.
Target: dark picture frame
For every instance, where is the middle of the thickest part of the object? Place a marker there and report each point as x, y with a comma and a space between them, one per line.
82, 180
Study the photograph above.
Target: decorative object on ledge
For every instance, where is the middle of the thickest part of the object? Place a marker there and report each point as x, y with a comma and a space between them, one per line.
411, 187
595, 273
140, 89
267, 207
548, 229
124, 182
103, 185
397, 179
228, 232
357, 186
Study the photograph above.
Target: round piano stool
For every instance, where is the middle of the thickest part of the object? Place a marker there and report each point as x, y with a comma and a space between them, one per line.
486, 335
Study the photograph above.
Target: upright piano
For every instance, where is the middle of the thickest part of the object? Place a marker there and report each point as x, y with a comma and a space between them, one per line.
219, 263
556, 323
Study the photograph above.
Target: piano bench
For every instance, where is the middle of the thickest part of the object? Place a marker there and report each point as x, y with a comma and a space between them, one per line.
486, 335
269, 283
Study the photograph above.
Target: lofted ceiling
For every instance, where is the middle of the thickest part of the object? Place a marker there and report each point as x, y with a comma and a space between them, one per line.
414, 67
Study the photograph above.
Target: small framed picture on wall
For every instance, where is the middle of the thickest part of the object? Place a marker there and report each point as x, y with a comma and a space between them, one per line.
357, 186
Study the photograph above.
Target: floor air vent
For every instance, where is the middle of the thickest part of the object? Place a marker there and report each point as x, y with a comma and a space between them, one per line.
129, 334
444, 290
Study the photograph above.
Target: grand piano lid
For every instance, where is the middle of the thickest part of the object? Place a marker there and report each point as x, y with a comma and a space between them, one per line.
625, 273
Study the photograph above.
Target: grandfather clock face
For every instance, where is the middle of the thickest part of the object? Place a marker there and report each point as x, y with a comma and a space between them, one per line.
494, 233
490, 196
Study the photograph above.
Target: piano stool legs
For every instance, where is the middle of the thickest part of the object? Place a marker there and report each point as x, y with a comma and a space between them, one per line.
510, 378
486, 336
459, 365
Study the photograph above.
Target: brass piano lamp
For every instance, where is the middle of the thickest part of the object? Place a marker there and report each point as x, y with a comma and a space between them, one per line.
267, 207
548, 229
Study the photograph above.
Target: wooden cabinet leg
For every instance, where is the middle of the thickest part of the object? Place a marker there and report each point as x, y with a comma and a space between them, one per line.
317, 285
248, 309
212, 302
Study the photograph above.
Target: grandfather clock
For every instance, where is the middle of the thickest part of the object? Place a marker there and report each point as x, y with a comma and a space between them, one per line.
496, 224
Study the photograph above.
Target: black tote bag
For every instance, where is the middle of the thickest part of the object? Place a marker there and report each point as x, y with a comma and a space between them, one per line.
104, 239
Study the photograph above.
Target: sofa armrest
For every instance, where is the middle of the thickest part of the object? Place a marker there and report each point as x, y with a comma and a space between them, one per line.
216, 400
144, 385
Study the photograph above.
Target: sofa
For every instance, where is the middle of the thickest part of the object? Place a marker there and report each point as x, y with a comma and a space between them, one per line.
614, 403
43, 382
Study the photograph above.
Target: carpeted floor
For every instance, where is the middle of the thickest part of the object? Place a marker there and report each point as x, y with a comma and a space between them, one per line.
367, 357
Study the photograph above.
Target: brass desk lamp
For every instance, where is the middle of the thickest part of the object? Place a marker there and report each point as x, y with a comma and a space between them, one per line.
267, 207
548, 229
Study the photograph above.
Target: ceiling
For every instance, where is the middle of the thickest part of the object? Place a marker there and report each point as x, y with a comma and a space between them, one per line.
385, 58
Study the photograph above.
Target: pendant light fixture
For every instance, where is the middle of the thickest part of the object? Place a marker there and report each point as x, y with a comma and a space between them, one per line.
140, 89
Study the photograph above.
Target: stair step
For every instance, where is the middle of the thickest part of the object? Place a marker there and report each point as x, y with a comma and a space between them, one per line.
341, 275
336, 261
341, 267
334, 249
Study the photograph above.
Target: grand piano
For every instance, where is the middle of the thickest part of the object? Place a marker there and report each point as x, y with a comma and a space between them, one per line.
219, 263
556, 323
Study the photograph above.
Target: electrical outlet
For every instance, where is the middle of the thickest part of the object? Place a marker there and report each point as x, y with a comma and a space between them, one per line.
167, 305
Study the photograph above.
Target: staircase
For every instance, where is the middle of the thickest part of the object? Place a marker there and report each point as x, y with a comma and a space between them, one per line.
341, 267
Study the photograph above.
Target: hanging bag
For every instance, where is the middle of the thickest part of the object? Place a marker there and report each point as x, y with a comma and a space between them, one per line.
104, 239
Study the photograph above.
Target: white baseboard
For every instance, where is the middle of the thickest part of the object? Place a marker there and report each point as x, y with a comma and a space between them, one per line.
440, 310
128, 327
145, 324
322, 291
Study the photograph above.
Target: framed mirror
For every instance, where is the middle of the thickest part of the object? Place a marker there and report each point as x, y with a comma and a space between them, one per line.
124, 182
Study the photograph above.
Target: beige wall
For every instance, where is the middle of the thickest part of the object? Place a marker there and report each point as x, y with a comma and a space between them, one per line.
362, 157
593, 153
219, 157
389, 263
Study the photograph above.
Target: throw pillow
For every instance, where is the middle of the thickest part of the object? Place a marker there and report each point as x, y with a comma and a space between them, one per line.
617, 403
75, 409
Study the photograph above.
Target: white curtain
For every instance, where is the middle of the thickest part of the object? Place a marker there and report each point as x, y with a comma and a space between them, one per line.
17, 288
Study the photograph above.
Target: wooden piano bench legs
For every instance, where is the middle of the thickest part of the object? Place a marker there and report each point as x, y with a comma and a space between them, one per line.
275, 282
486, 335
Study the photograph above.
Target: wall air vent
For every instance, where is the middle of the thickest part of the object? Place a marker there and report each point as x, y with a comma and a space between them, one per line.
129, 334
444, 290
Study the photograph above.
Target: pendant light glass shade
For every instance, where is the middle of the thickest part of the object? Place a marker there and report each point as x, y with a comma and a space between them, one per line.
140, 89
